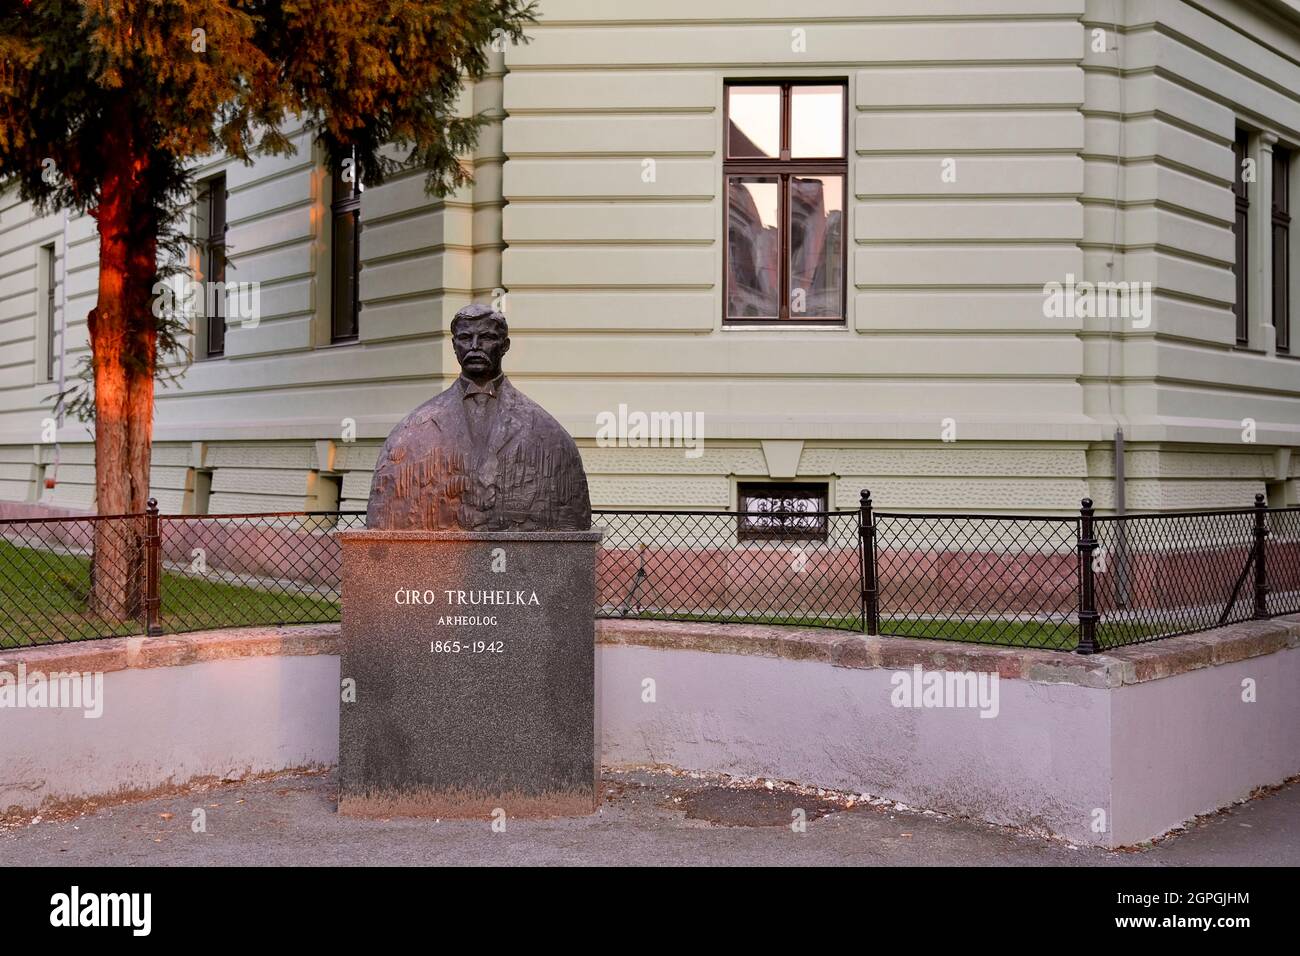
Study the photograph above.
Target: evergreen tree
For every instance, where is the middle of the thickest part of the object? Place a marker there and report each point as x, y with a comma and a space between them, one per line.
106, 104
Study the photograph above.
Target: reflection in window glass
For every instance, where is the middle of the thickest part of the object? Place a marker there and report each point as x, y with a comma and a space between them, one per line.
753, 247
755, 121
816, 244
816, 121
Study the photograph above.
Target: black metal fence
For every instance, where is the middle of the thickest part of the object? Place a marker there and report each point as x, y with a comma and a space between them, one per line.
725, 567
1077, 582
67, 579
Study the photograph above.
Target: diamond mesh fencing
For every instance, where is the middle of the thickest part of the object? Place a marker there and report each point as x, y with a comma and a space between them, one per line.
67, 579
1160, 575
979, 578
236, 570
1282, 551
799, 568
990, 579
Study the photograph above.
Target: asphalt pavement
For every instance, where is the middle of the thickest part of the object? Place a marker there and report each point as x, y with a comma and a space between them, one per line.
646, 817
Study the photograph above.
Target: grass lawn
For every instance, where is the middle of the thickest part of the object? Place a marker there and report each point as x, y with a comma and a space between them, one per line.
1042, 634
43, 601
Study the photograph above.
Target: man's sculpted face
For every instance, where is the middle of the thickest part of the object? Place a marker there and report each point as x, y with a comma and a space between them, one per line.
480, 344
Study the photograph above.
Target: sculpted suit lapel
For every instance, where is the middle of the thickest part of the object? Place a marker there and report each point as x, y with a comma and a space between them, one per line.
488, 466
508, 421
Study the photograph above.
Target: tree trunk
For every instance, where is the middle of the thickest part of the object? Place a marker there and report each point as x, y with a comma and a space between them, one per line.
123, 341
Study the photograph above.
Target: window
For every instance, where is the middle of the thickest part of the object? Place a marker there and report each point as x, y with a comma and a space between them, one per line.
1281, 248
212, 223
1277, 494
47, 316
786, 171
782, 511
1241, 237
325, 491
345, 301
199, 492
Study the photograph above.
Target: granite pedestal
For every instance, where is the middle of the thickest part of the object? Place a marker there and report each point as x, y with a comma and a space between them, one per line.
473, 656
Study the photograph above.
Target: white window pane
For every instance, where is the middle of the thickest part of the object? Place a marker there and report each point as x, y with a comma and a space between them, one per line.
816, 121
755, 121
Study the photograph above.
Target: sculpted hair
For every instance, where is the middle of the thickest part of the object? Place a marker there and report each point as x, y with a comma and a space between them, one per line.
480, 311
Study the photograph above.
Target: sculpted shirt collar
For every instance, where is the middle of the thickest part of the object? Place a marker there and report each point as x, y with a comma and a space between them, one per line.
490, 389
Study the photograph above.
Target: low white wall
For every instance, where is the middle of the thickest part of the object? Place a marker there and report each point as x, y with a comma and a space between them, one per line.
164, 726
1147, 737
1042, 761
1194, 742
1111, 766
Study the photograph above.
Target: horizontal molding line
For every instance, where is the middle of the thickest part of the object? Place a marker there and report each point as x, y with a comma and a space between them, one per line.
957, 152
519, 198
630, 287
1062, 242
1180, 254
560, 112
733, 67
408, 214
677, 23
1160, 162
1156, 205
1162, 116
999, 107
1164, 30
1208, 388
999, 199
984, 196
628, 244
617, 154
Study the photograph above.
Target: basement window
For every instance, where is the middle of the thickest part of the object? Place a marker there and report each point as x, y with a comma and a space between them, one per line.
782, 512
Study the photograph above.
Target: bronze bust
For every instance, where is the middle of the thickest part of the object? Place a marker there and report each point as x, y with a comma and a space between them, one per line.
481, 456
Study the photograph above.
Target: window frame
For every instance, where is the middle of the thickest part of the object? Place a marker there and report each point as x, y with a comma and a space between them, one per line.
1280, 231
791, 490
783, 167
1241, 237
212, 262
48, 262
342, 207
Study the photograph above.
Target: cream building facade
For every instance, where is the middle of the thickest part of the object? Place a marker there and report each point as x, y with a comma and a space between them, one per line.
989, 148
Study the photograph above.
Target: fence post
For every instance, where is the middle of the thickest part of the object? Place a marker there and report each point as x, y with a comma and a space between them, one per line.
867, 543
153, 569
1088, 615
1261, 569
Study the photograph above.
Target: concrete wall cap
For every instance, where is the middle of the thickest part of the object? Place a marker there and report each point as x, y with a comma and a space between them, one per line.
1166, 657
172, 650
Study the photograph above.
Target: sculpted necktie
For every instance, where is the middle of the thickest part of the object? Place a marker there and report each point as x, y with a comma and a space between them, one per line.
478, 419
